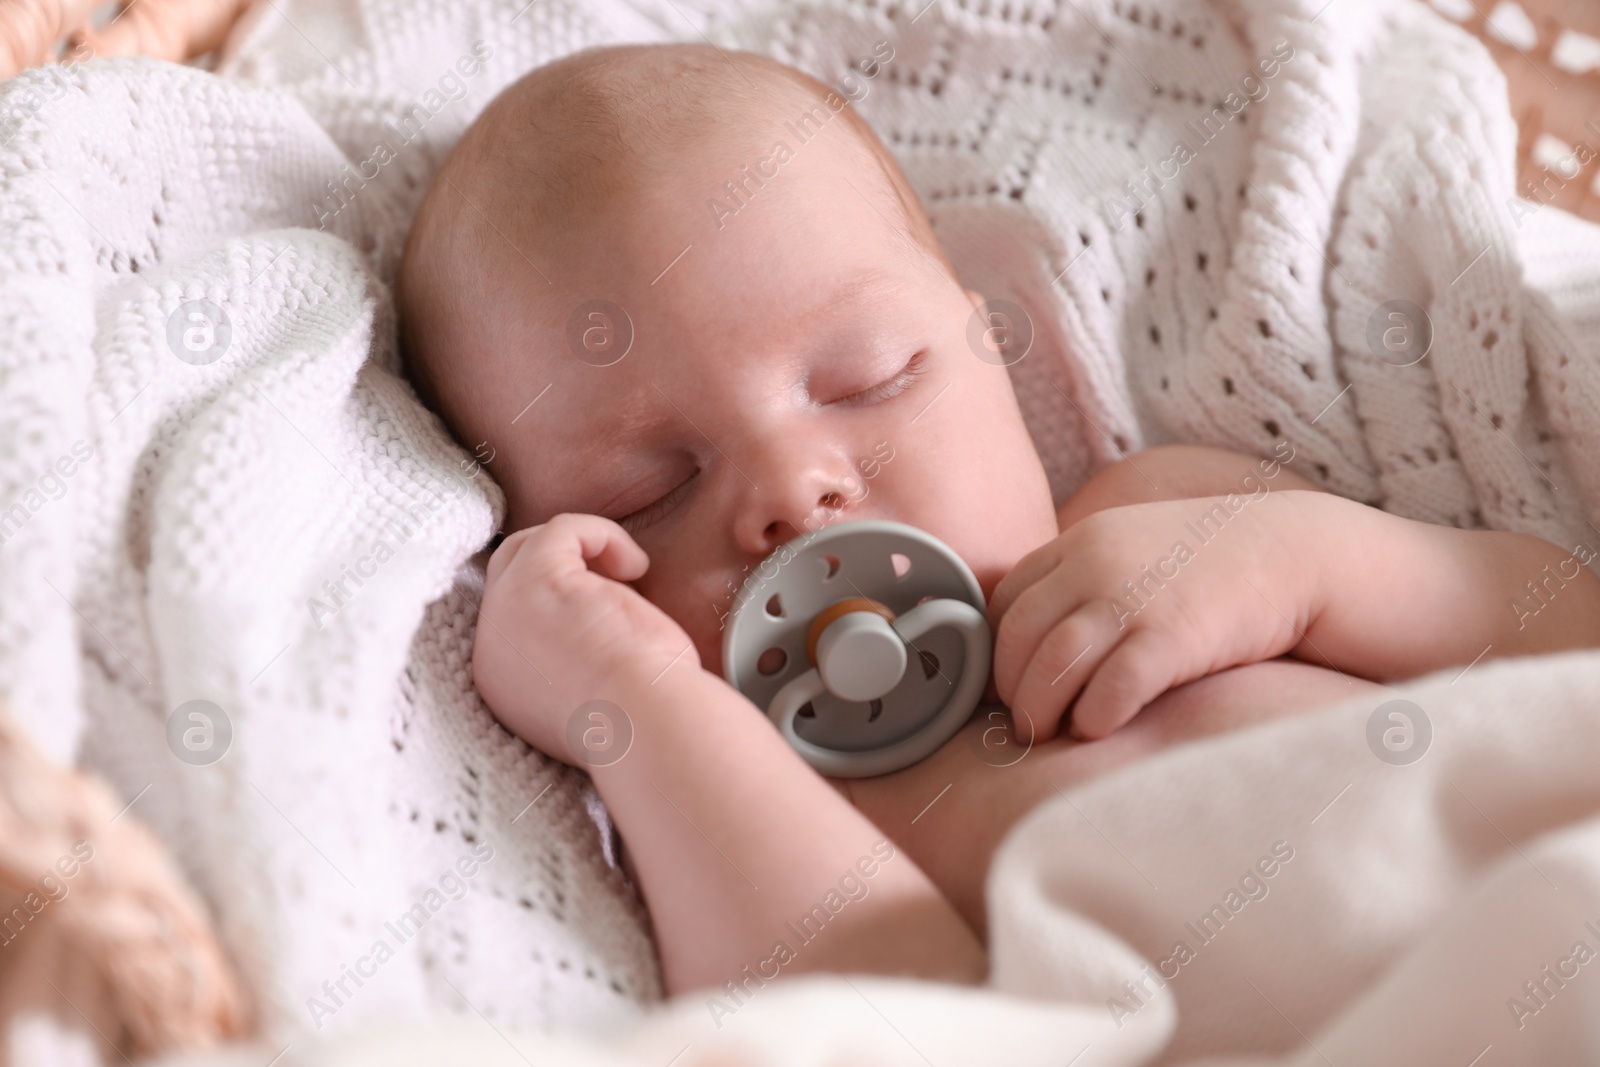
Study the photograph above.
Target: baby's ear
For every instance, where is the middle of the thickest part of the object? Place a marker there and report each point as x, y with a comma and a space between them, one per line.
976, 298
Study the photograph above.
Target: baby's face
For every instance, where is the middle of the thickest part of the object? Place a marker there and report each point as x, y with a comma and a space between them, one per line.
804, 363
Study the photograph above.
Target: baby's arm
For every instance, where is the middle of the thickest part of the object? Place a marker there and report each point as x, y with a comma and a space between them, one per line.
733, 837
1366, 623
736, 840
1133, 599
1394, 598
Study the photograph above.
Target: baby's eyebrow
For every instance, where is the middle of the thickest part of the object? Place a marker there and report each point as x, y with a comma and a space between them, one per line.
869, 286
857, 320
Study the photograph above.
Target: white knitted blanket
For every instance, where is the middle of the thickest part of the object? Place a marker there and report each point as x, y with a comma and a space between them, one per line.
263, 518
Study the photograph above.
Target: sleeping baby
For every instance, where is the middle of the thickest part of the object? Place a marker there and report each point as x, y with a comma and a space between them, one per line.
687, 297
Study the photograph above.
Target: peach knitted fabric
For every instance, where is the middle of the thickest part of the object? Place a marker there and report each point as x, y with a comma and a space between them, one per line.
1550, 53
95, 920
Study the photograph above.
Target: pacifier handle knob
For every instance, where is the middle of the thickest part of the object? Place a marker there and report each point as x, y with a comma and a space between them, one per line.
860, 656
927, 616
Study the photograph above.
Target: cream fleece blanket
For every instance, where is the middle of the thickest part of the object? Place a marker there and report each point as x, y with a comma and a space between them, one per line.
262, 518
1275, 896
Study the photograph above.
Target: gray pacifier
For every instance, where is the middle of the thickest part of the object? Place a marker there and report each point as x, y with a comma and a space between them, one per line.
866, 643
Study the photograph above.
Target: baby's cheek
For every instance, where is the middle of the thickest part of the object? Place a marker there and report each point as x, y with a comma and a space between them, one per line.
704, 616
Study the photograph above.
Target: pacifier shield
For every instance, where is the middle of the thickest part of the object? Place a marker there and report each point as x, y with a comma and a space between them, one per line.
771, 642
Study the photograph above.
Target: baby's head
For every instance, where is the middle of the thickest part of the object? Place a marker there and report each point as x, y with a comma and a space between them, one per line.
791, 348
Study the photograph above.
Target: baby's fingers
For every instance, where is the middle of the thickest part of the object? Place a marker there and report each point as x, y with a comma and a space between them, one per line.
1055, 670
572, 543
1029, 571
590, 542
29, 30
1141, 668
168, 29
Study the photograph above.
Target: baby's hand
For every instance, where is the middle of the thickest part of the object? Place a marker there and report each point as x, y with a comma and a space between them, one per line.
554, 633
1130, 601
174, 30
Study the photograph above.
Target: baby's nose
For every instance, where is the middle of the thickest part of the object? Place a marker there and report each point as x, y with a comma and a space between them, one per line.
778, 511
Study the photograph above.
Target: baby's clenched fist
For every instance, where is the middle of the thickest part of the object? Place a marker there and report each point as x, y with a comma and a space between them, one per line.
558, 628
1131, 601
